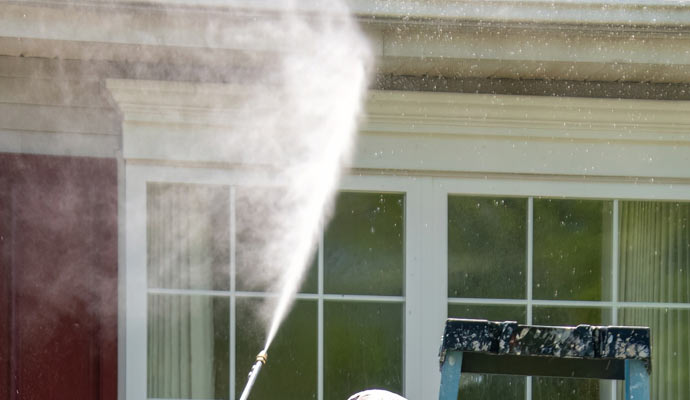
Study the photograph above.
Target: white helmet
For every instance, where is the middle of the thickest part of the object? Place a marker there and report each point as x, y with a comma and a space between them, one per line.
375, 394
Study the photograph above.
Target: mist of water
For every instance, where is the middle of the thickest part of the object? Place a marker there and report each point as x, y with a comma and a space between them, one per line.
304, 119
298, 73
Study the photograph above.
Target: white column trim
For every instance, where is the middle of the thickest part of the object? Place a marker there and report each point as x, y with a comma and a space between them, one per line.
135, 286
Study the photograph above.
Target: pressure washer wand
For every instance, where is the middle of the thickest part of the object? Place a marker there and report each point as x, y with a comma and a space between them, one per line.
253, 373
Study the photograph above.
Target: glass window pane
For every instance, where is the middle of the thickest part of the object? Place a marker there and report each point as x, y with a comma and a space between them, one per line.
255, 231
570, 316
670, 328
486, 247
188, 236
363, 245
363, 347
654, 251
571, 254
291, 370
547, 388
188, 339
311, 280
485, 386
489, 312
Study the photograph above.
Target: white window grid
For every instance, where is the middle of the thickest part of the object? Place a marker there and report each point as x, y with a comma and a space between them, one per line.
584, 189
424, 297
139, 176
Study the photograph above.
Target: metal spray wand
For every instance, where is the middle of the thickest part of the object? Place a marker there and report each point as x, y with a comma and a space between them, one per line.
253, 373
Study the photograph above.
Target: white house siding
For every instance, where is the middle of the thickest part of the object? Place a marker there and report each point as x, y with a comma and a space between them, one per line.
45, 110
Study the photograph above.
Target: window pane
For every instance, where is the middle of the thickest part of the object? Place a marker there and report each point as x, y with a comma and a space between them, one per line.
290, 372
486, 247
547, 388
311, 280
489, 312
485, 386
363, 245
255, 271
254, 233
670, 328
188, 236
188, 340
654, 251
570, 316
363, 347
571, 259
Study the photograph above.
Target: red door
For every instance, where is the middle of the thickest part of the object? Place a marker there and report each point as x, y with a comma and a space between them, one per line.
58, 278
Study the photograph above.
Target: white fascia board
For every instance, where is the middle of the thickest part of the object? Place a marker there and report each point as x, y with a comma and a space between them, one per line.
535, 53
433, 133
106, 24
546, 48
437, 133
553, 118
607, 12
166, 121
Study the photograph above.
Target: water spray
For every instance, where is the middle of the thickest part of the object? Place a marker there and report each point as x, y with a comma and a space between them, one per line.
254, 373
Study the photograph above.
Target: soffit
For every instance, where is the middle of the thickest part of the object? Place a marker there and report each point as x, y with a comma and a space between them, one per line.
636, 41
623, 13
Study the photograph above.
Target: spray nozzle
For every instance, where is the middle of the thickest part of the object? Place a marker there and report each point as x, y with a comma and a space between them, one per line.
262, 356
254, 372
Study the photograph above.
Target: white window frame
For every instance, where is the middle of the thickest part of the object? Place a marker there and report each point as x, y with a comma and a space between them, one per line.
136, 288
425, 145
592, 189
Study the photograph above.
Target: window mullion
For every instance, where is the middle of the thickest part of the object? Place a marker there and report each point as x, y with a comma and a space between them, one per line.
614, 278
413, 336
433, 262
233, 298
530, 278
320, 355
136, 286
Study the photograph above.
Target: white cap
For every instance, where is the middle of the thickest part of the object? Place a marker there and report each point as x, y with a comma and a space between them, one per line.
375, 394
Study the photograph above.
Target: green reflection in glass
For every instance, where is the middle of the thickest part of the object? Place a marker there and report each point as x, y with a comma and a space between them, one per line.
486, 247
489, 312
485, 386
570, 257
654, 251
363, 347
570, 316
311, 280
188, 350
363, 245
291, 370
670, 330
187, 236
546, 388
255, 231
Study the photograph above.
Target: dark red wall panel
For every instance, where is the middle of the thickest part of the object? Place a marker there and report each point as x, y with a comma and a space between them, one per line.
5, 279
63, 269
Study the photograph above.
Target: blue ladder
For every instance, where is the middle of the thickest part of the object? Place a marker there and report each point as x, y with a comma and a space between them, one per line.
583, 351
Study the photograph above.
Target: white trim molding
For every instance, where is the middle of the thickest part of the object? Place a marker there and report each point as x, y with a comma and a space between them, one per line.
620, 12
165, 121
448, 132
625, 40
429, 132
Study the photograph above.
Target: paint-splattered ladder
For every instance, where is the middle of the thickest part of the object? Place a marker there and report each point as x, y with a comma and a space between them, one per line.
584, 351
